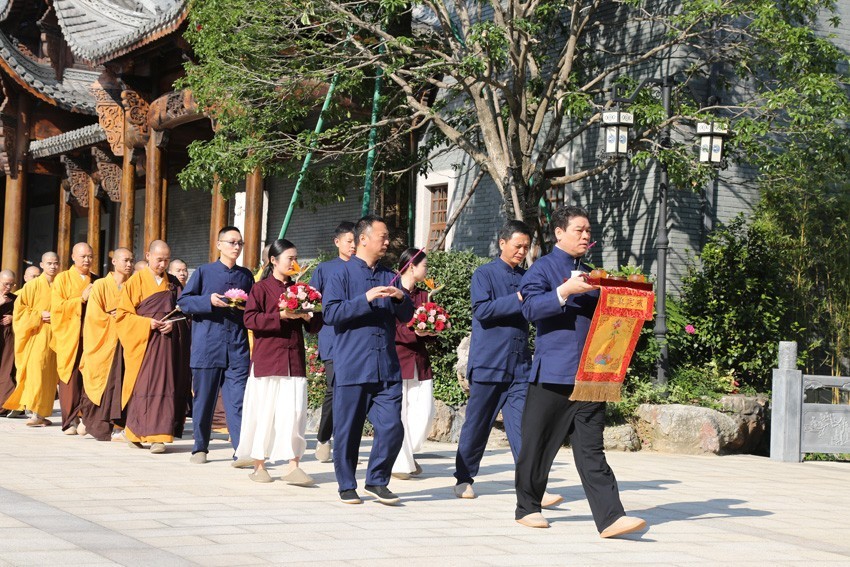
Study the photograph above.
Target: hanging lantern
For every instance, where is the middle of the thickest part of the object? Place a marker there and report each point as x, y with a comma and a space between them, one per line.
617, 124
712, 135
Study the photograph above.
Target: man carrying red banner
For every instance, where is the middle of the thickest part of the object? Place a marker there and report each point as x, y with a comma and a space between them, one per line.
561, 304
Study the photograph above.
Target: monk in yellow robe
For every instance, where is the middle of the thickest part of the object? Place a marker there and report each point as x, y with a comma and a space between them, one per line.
102, 364
7, 337
155, 338
70, 294
35, 361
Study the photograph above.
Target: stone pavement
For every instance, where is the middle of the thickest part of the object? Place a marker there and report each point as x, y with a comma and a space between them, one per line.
74, 501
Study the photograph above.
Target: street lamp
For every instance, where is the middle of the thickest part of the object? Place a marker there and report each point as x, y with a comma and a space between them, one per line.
662, 241
711, 135
617, 124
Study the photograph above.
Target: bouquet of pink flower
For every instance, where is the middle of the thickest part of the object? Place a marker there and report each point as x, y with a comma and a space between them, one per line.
430, 318
236, 298
301, 298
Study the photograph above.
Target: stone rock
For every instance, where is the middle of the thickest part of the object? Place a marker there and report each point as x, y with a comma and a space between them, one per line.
752, 411
441, 425
690, 430
462, 360
498, 439
459, 420
621, 438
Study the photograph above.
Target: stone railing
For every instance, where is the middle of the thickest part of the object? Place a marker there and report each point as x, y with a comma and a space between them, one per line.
800, 422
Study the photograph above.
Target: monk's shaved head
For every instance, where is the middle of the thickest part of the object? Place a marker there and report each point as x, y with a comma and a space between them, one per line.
140, 265
158, 256
82, 254
31, 272
7, 281
50, 264
122, 260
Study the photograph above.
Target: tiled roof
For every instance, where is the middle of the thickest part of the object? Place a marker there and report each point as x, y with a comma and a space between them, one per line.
71, 93
100, 30
67, 141
5, 8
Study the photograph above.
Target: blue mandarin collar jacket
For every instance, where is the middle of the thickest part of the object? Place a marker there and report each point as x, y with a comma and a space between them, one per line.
561, 330
322, 275
499, 349
219, 338
364, 333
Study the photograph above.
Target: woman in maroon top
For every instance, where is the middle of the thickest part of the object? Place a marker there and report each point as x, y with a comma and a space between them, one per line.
274, 412
417, 404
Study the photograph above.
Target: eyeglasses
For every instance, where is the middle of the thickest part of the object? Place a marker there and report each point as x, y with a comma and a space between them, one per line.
233, 243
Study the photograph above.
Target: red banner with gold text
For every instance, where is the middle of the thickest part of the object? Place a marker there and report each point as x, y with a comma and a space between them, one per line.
614, 332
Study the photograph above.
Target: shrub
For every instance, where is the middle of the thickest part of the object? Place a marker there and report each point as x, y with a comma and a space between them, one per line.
454, 271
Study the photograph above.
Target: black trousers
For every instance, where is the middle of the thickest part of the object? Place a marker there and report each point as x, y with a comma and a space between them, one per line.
326, 421
548, 418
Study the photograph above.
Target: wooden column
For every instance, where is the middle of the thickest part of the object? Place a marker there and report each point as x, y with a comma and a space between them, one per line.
163, 230
253, 219
127, 208
218, 219
14, 207
153, 191
63, 231
94, 227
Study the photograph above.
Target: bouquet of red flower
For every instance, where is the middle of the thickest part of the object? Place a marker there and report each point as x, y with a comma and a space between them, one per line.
430, 318
300, 298
236, 298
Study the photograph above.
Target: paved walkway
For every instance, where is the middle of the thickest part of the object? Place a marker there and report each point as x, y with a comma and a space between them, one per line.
74, 501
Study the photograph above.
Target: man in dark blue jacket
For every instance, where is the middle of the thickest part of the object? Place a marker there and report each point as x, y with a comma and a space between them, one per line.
362, 305
344, 242
499, 357
220, 356
560, 303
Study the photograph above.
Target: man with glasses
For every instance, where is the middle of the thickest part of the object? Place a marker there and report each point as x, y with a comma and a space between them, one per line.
7, 337
69, 296
220, 355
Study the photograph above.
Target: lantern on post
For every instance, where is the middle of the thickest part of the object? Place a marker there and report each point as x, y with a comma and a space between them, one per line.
711, 143
617, 124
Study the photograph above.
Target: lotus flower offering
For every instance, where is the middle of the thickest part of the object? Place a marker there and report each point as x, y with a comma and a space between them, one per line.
430, 318
301, 298
236, 298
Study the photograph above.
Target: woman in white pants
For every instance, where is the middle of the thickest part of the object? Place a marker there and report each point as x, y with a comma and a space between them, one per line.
417, 404
274, 411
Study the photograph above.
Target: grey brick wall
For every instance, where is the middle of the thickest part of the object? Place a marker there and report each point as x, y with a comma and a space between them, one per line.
188, 225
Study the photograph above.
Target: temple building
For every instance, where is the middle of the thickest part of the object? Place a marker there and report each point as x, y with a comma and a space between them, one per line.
94, 133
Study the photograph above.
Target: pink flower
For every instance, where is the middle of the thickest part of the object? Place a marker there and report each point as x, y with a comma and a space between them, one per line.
236, 294
690, 329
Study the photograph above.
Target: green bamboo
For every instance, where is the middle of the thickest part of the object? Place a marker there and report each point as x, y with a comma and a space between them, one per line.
318, 130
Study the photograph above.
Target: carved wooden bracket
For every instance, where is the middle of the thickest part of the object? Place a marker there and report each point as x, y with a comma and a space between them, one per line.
109, 173
172, 110
136, 109
110, 112
78, 180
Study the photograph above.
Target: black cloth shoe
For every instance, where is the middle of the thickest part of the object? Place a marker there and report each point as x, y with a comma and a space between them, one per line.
349, 497
382, 493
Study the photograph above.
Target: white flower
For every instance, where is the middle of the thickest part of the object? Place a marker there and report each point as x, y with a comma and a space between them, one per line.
302, 295
441, 318
432, 312
430, 319
421, 325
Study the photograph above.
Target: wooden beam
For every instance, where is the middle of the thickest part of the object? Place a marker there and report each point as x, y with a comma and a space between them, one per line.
63, 231
94, 227
127, 208
253, 219
153, 192
218, 219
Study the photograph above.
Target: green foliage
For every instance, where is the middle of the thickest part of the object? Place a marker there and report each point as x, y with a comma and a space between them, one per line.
316, 376
454, 271
737, 301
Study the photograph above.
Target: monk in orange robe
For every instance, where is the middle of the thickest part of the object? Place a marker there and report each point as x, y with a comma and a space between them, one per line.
155, 338
7, 337
35, 361
102, 364
70, 294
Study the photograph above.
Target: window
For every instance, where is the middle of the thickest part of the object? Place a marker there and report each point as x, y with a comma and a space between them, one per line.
439, 212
